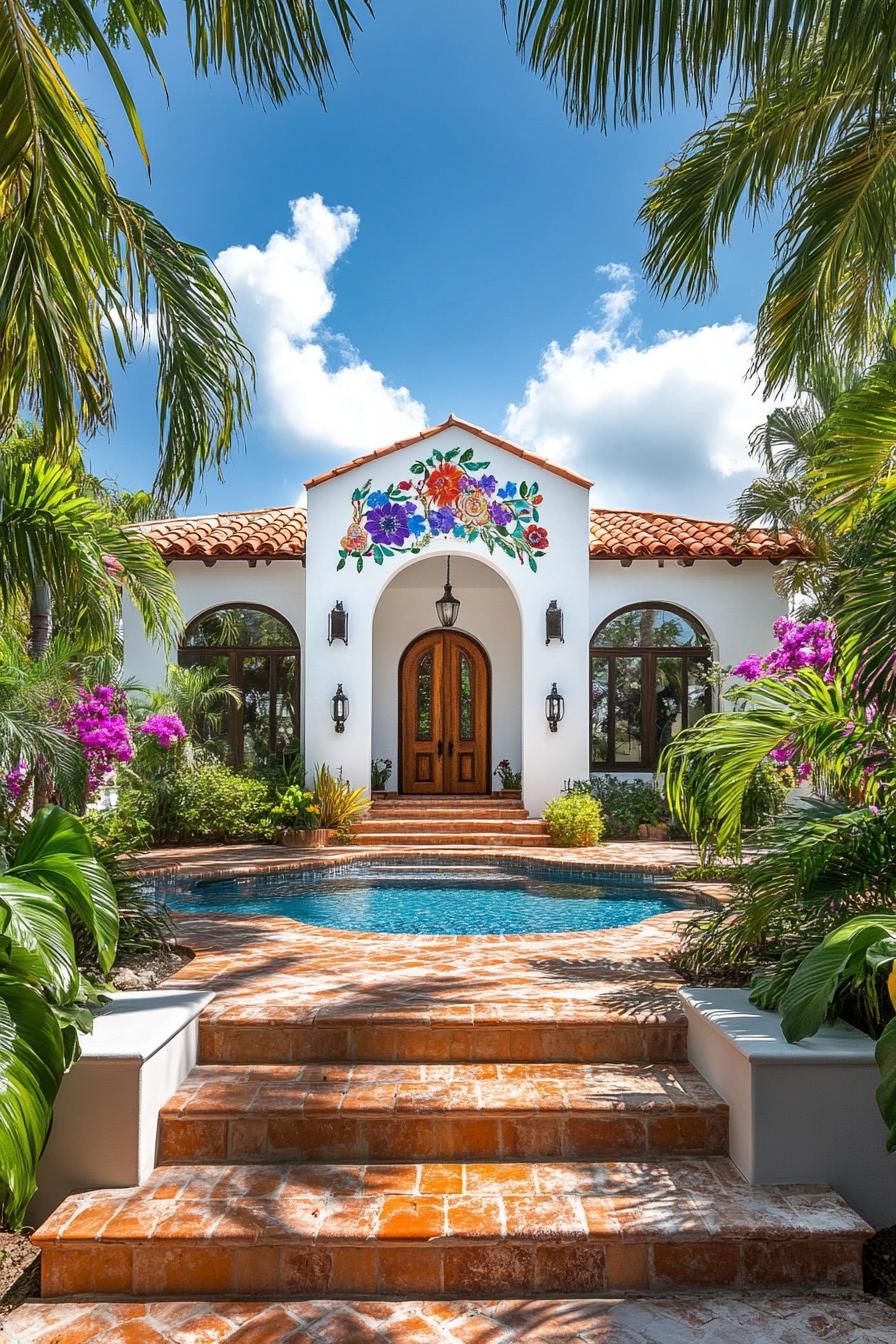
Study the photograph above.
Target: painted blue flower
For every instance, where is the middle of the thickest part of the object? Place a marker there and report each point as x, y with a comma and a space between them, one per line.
377, 499
388, 525
441, 521
417, 524
460, 530
488, 484
508, 491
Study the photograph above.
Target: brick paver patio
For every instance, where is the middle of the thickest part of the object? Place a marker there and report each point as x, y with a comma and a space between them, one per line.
385, 1116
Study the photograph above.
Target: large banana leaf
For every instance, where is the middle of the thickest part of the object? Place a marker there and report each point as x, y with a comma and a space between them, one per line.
31, 1066
833, 962
885, 1054
56, 854
36, 937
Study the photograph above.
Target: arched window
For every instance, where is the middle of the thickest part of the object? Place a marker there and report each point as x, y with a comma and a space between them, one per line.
257, 651
649, 679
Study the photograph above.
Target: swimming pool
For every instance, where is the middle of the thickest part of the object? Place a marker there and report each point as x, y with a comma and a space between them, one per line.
388, 898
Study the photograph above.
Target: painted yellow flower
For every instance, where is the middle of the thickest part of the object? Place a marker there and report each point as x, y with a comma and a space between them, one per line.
471, 507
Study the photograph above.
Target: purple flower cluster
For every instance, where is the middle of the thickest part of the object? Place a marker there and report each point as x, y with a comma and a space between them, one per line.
98, 723
784, 756
167, 729
799, 646
15, 780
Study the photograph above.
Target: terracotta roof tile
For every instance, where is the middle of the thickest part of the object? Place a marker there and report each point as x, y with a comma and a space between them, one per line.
258, 533
451, 423
620, 534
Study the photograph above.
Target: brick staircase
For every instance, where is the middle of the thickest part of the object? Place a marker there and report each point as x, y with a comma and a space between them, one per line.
455, 819
426, 1161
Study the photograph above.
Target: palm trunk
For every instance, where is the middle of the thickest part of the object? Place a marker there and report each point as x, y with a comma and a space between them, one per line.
41, 619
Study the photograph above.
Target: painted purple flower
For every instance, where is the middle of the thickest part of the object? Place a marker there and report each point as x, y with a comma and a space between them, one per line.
388, 526
441, 521
165, 728
499, 513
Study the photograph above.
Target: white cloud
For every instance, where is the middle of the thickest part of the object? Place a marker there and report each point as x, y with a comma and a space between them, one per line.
659, 424
313, 386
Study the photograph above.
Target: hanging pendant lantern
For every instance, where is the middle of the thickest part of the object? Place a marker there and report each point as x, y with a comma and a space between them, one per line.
447, 606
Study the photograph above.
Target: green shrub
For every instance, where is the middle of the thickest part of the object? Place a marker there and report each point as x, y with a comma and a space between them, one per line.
296, 809
124, 828
215, 803
574, 820
764, 797
626, 804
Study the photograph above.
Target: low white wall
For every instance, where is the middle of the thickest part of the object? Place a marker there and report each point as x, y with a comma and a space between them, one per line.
798, 1113
105, 1122
488, 612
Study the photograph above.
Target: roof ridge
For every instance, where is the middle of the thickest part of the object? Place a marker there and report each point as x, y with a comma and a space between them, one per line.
681, 517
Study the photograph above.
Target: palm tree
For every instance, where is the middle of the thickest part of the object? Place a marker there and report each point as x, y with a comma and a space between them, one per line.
83, 267
813, 132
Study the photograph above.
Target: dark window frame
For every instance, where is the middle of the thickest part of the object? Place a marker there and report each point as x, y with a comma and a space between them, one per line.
191, 655
648, 655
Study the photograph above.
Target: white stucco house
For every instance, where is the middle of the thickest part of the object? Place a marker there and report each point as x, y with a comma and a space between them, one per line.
327, 618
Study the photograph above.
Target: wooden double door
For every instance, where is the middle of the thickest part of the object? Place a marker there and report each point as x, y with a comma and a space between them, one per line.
444, 699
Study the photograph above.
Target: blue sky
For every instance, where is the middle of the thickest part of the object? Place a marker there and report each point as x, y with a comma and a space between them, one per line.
473, 221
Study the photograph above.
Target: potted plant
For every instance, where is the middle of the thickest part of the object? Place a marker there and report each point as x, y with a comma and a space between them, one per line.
511, 780
298, 814
380, 770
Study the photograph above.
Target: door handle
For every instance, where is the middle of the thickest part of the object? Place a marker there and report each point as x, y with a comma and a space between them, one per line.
439, 747
450, 748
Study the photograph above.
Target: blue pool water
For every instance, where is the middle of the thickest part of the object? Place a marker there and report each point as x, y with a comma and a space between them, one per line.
384, 899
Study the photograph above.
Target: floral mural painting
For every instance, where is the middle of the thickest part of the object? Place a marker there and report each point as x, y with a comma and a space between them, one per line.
448, 494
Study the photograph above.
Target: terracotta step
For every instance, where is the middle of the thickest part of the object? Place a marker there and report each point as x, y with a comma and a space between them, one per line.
451, 812
448, 826
841, 1316
454, 1229
426, 1112
456, 1033
424, 838
437, 799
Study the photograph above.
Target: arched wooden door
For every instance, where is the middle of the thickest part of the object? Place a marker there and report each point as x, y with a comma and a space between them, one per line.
444, 708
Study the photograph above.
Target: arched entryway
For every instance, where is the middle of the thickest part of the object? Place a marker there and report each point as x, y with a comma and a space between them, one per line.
444, 690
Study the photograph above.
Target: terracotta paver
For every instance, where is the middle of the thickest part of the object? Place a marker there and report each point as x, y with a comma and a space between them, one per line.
762, 1318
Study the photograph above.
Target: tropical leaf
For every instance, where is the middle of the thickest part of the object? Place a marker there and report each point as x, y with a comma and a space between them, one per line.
808, 1000
31, 1067
35, 929
885, 1055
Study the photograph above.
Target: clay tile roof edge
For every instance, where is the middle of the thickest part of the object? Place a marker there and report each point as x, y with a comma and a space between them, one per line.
451, 423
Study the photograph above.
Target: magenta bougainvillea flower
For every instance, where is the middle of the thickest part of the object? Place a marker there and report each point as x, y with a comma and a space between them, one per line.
15, 780
167, 729
98, 723
799, 646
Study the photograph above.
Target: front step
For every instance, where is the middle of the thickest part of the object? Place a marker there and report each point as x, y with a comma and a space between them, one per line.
457, 1229
437, 826
420, 1112
421, 837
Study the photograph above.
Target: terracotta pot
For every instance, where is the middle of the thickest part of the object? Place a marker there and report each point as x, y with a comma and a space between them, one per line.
316, 838
510, 793
647, 831
378, 793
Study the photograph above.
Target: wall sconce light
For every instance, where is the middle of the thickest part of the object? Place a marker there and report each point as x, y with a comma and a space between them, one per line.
337, 624
554, 708
339, 708
553, 623
447, 606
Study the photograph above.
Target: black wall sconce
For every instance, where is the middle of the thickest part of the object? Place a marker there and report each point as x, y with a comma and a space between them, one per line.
339, 708
553, 623
337, 624
447, 606
554, 707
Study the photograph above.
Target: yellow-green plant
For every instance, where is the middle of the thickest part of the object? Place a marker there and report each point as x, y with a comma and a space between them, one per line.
574, 820
340, 805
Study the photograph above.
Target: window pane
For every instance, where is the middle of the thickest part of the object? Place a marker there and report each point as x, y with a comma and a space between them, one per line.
286, 709
627, 711
214, 729
649, 628
255, 684
239, 627
668, 691
600, 673
466, 698
699, 690
424, 698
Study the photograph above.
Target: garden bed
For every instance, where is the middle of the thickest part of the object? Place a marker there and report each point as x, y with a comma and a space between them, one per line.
19, 1270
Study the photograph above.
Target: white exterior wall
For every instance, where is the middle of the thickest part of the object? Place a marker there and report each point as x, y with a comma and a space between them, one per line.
547, 759
488, 612
279, 585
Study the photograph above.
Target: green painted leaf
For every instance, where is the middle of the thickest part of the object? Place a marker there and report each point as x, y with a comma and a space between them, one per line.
359, 563
451, 454
417, 468
532, 565
31, 1067
466, 456
476, 466
524, 489
341, 564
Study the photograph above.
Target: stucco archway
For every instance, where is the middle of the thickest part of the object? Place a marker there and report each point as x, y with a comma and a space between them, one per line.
489, 613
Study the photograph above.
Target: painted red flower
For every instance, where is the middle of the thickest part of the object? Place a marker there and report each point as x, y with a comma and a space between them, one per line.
538, 499
537, 537
404, 485
443, 484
